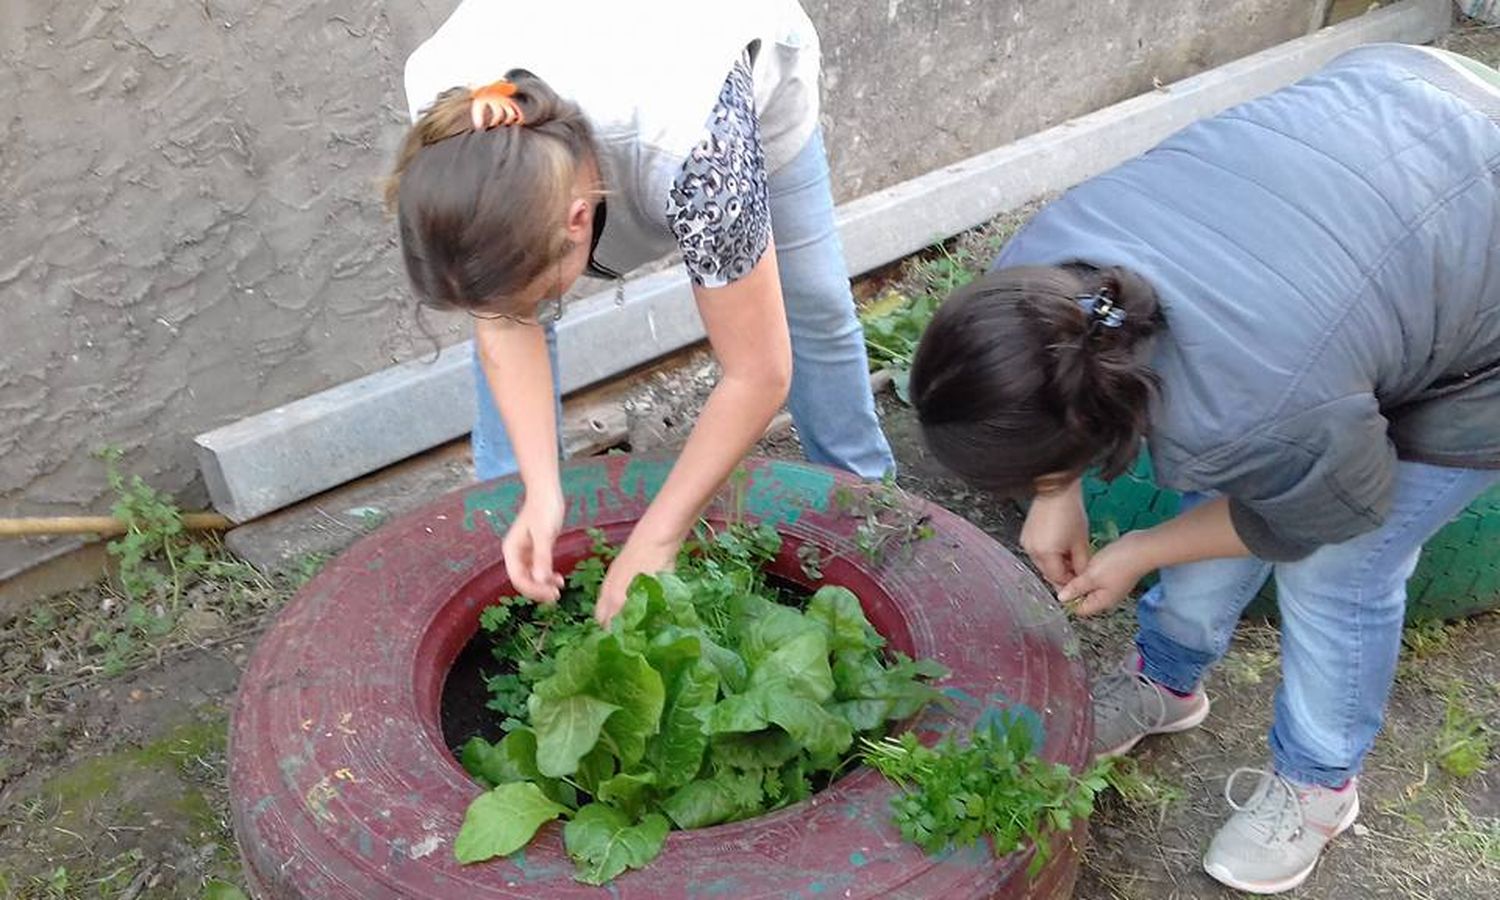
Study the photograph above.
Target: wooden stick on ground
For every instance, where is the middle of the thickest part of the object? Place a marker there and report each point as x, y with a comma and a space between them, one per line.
100, 525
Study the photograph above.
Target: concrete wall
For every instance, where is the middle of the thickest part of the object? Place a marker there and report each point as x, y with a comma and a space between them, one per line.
189, 226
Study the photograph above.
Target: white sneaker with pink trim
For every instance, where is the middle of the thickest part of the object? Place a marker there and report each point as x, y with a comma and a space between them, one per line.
1273, 840
1128, 706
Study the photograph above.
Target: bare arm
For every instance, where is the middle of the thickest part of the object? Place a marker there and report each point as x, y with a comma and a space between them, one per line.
1203, 532
746, 325
515, 362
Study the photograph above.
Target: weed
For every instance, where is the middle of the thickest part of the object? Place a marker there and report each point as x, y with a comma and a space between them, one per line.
886, 523
1462, 747
994, 785
1248, 666
1143, 791
307, 566
168, 584
894, 323
1426, 639
1477, 837
1103, 534
811, 559
56, 882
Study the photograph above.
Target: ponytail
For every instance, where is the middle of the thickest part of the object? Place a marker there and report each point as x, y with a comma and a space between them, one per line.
480, 210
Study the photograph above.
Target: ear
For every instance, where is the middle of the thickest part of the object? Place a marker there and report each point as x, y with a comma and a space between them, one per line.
580, 221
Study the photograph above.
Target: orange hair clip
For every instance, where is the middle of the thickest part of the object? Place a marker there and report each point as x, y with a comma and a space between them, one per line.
494, 105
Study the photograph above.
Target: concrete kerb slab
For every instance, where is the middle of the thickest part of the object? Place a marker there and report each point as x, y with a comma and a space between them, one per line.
286, 454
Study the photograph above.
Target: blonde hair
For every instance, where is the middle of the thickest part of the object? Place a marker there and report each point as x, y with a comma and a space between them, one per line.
481, 214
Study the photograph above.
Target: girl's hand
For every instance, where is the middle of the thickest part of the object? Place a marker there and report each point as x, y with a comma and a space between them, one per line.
1056, 534
1109, 576
528, 548
640, 555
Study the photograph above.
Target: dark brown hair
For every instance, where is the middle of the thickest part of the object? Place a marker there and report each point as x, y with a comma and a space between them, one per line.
1015, 378
482, 213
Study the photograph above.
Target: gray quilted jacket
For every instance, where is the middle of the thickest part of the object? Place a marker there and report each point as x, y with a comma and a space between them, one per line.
1328, 262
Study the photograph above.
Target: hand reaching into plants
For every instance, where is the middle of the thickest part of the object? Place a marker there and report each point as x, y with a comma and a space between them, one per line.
1056, 534
528, 548
1109, 576
640, 556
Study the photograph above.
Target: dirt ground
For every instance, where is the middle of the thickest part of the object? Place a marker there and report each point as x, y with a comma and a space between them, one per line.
112, 767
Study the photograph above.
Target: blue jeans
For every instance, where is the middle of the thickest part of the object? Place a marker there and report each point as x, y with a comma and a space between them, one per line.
1341, 612
830, 397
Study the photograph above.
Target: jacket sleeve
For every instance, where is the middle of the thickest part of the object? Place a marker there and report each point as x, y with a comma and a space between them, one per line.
1321, 477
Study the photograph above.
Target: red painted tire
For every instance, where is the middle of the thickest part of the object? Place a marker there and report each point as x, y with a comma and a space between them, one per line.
341, 785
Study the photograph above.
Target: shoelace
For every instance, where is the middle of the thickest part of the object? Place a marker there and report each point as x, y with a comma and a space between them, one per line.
1268, 817
1114, 691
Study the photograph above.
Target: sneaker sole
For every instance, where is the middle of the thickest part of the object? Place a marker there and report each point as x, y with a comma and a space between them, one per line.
1192, 720
1223, 876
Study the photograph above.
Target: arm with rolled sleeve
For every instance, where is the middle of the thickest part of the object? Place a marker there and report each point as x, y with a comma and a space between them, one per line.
1287, 488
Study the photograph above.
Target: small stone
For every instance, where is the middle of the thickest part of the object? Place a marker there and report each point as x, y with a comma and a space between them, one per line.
200, 623
1360, 830
137, 695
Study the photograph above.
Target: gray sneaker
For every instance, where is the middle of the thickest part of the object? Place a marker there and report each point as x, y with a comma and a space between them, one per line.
1128, 706
1272, 841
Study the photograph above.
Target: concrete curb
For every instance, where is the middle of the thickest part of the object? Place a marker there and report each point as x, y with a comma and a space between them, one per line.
278, 457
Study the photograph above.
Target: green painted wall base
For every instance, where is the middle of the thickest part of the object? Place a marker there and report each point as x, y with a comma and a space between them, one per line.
1458, 575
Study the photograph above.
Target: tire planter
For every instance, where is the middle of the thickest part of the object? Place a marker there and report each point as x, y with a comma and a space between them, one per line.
341, 784
1458, 574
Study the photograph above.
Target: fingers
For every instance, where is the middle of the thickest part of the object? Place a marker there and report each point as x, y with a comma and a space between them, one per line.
604, 611
1077, 589
1054, 567
541, 568
1086, 596
1080, 555
536, 583
611, 601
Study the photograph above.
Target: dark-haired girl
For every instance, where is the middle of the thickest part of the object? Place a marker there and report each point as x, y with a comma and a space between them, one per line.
1296, 304
553, 139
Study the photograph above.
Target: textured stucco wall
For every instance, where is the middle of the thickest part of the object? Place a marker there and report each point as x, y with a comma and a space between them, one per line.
189, 224
912, 85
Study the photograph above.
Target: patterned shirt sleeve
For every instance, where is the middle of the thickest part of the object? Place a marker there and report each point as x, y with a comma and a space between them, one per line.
718, 208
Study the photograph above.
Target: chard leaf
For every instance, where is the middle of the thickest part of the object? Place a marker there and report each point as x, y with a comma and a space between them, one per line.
769, 626
500, 822
566, 729
809, 724
627, 681
671, 647
512, 759
738, 713
603, 843
857, 676
723, 798
733, 672
839, 612
678, 598
863, 715
627, 792
799, 666
574, 672
596, 767
769, 747
677, 752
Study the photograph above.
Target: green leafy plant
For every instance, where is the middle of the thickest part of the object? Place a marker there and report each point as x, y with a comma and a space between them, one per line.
894, 323
711, 698
887, 525
954, 794
154, 531
1463, 743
